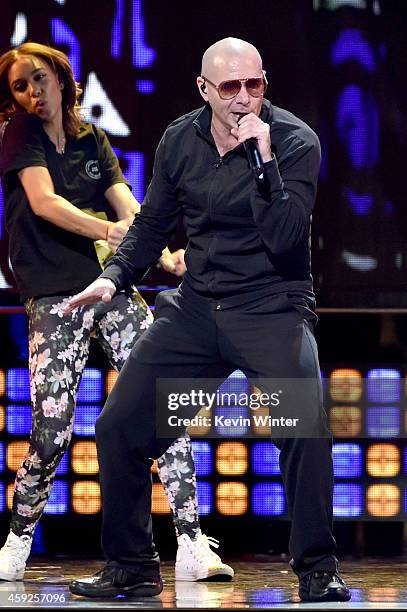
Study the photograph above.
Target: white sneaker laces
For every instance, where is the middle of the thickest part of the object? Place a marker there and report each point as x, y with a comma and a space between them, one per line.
202, 549
211, 541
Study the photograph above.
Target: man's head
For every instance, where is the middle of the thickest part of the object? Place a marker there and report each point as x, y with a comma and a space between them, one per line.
231, 80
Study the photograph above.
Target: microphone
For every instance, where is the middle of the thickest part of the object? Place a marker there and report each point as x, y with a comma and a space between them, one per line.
254, 157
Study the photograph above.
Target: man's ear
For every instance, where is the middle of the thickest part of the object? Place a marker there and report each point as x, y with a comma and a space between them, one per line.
202, 88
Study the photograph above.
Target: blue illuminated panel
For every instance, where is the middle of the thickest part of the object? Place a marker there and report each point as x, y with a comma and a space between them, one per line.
361, 203
85, 419
350, 46
268, 499
265, 459
2, 497
90, 389
264, 598
143, 55
38, 545
204, 492
18, 384
63, 467
2, 457
358, 595
146, 86
18, 330
347, 459
58, 502
348, 500
383, 385
203, 458
63, 35
117, 35
357, 123
235, 383
19, 420
383, 421
132, 165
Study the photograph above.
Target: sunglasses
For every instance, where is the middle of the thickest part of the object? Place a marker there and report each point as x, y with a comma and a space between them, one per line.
255, 86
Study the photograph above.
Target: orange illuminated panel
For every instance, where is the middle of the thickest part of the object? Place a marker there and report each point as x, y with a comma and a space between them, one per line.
346, 385
2, 418
10, 495
231, 458
84, 458
231, 498
159, 500
2, 383
111, 377
15, 454
383, 500
383, 460
154, 467
86, 497
345, 421
205, 427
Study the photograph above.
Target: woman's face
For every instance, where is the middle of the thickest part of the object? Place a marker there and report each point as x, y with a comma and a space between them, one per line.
35, 88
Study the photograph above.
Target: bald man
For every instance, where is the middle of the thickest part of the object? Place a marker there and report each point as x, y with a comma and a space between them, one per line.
243, 174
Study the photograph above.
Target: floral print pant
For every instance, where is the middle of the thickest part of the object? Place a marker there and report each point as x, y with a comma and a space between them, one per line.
59, 348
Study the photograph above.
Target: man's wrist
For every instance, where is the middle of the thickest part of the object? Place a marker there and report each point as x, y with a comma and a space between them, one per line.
106, 277
269, 158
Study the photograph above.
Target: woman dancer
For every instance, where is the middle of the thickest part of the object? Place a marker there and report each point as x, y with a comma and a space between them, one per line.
61, 185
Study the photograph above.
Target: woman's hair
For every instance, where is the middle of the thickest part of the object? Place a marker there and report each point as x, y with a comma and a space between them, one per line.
60, 65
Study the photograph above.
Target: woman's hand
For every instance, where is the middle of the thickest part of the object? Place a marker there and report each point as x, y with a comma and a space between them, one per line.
116, 232
173, 262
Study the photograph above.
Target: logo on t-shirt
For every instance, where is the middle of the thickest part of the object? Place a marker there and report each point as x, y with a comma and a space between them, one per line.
92, 169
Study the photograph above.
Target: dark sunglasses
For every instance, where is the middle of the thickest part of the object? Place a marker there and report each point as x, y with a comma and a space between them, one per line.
255, 86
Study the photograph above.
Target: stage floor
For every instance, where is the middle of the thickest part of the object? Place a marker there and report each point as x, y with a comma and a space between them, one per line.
375, 584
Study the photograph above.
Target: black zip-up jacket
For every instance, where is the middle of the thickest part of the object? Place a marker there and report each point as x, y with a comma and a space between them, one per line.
241, 238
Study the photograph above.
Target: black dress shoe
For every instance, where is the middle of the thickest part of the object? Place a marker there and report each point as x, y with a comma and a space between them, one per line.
323, 586
114, 580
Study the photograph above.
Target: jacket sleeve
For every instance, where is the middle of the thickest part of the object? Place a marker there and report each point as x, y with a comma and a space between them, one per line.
151, 229
282, 207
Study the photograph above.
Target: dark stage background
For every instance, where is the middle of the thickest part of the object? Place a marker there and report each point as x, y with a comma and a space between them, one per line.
340, 68
340, 65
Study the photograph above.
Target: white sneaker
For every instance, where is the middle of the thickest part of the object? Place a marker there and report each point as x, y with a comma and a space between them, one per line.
196, 561
13, 557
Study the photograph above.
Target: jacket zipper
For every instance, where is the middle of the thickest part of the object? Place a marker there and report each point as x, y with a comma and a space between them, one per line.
216, 166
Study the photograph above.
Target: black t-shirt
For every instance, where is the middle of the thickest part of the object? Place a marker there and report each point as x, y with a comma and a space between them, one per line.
48, 260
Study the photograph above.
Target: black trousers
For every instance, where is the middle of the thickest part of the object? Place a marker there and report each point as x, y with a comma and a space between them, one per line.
195, 337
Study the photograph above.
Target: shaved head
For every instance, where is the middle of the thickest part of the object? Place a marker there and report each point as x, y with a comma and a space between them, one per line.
226, 53
230, 60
